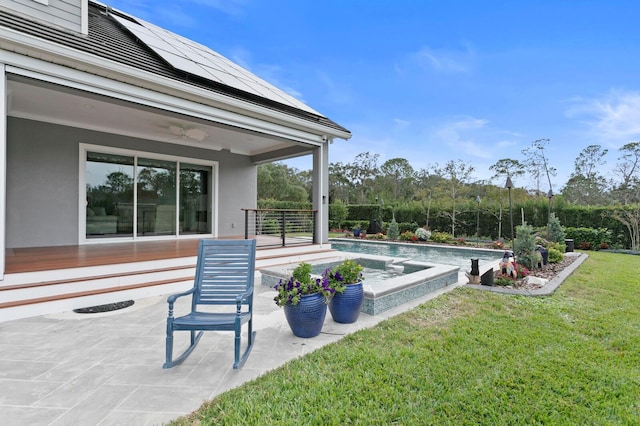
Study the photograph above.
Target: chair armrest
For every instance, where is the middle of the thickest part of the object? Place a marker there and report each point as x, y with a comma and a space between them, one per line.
171, 299
243, 296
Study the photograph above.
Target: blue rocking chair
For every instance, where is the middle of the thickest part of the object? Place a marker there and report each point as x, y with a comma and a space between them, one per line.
224, 276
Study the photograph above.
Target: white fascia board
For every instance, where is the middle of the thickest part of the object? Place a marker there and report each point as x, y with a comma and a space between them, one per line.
173, 92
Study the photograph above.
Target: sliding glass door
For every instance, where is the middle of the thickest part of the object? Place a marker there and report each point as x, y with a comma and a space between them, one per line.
156, 189
146, 197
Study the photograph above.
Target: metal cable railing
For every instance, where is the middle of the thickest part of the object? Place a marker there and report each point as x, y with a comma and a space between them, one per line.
280, 227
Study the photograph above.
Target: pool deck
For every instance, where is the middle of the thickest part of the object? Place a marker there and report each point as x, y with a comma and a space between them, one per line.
106, 369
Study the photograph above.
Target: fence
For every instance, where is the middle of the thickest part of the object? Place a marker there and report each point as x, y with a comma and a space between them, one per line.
280, 227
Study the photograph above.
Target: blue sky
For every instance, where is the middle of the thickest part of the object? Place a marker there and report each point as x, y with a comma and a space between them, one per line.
432, 81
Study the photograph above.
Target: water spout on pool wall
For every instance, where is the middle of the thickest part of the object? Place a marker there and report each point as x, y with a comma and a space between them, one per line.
395, 269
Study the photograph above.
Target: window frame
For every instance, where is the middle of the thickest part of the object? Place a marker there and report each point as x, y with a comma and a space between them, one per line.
82, 193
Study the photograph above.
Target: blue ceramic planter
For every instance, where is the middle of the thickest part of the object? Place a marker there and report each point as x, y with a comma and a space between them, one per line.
307, 317
345, 307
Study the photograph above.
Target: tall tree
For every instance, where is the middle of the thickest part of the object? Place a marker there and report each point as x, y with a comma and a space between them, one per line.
537, 163
627, 194
586, 185
425, 183
507, 167
279, 182
398, 176
362, 172
457, 174
340, 188
628, 169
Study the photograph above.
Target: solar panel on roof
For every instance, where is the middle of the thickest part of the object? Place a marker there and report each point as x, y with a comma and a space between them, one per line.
186, 55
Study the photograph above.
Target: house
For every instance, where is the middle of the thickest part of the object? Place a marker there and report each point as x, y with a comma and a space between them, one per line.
114, 130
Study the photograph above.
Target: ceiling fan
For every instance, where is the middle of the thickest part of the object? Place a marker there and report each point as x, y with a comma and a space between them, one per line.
189, 133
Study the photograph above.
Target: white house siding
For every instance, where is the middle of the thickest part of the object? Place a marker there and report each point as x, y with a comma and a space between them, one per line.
42, 181
62, 13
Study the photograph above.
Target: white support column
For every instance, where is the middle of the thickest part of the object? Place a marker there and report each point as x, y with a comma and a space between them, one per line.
320, 192
3, 165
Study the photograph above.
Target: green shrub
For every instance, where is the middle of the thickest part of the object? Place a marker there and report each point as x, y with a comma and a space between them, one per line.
556, 234
440, 237
561, 247
408, 236
555, 255
393, 233
503, 281
525, 246
589, 238
422, 234
338, 213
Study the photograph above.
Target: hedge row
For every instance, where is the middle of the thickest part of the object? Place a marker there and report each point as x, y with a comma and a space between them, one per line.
534, 212
589, 227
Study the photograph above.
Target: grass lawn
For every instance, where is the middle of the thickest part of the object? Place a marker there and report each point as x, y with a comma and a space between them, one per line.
469, 357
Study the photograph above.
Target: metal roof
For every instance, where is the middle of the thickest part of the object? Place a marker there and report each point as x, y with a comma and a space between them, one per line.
125, 39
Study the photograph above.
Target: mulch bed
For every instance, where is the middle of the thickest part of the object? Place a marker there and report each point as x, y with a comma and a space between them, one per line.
547, 272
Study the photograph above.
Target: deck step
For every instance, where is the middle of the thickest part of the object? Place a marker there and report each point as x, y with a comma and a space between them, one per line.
34, 294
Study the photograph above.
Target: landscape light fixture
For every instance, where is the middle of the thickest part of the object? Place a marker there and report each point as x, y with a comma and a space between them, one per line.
509, 185
478, 199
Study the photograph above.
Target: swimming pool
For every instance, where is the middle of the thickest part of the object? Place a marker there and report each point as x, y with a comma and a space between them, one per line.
442, 255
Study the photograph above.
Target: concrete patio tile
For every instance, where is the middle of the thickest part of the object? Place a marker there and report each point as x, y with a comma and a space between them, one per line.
26, 370
174, 399
25, 392
210, 370
80, 352
136, 418
145, 356
129, 341
79, 387
15, 353
151, 375
29, 415
235, 378
95, 407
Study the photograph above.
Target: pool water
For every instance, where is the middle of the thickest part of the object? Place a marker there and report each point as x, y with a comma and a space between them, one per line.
453, 256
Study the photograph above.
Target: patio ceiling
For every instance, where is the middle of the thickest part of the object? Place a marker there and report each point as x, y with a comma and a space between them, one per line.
36, 100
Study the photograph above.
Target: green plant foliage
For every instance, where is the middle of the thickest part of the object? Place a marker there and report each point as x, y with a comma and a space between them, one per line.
299, 284
556, 234
423, 234
503, 281
408, 236
338, 213
525, 246
589, 238
347, 272
534, 209
440, 237
554, 255
393, 233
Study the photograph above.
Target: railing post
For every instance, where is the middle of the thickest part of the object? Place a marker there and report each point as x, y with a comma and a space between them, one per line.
283, 228
246, 224
313, 223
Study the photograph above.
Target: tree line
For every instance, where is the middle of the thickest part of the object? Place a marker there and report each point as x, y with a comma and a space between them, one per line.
453, 188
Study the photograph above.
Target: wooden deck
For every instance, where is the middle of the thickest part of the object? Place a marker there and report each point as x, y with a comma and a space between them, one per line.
36, 259
62, 257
